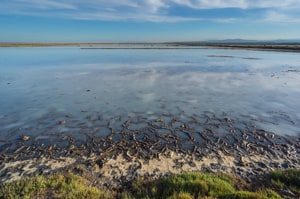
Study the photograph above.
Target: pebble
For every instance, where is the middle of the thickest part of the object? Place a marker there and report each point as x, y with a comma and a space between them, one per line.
72, 147
96, 168
62, 122
25, 137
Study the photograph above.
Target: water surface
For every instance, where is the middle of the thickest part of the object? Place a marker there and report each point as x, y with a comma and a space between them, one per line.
90, 88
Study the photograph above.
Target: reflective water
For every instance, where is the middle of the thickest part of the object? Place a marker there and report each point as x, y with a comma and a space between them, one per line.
41, 86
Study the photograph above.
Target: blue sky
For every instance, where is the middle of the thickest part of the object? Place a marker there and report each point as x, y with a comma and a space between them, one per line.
147, 20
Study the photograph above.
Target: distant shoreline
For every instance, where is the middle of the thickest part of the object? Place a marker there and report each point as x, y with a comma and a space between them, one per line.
282, 47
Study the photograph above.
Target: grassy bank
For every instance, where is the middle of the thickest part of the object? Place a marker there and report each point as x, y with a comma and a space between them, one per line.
180, 186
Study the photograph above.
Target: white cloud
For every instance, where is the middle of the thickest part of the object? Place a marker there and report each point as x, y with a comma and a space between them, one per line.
145, 10
279, 4
97, 4
45, 4
211, 4
276, 16
155, 5
242, 4
131, 17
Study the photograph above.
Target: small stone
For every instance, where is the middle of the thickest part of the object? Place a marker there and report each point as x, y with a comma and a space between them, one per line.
92, 155
214, 166
25, 137
242, 161
96, 168
72, 147
227, 119
62, 122
158, 120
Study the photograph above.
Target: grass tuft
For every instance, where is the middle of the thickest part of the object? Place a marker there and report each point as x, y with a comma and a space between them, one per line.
181, 195
196, 185
186, 185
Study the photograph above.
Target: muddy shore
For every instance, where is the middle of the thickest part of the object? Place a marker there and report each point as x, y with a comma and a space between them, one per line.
141, 147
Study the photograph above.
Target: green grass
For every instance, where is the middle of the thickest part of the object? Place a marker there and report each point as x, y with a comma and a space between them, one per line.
287, 179
53, 186
195, 185
191, 185
267, 194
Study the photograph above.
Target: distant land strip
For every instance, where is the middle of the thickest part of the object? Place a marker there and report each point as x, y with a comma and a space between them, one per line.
284, 47
141, 48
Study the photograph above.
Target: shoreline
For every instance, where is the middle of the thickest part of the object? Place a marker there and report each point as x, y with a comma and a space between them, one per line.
174, 148
278, 47
118, 170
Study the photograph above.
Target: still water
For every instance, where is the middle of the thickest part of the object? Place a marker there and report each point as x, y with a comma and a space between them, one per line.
41, 86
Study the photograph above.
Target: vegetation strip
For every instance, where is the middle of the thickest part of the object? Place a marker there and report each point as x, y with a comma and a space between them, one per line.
278, 184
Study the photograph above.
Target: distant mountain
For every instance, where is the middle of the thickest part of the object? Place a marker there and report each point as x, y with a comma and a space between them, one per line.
287, 41
231, 41
252, 41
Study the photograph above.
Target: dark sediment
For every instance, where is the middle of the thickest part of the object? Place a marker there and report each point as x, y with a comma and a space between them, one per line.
117, 150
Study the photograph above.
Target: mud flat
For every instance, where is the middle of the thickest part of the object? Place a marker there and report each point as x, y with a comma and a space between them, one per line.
138, 147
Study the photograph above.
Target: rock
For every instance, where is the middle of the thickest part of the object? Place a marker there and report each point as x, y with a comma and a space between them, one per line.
72, 147
242, 161
227, 119
96, 168
25, 137
214, 166
79, 169
92, 155
62, 122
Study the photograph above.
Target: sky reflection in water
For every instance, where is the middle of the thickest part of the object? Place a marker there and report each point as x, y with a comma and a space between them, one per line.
39, 83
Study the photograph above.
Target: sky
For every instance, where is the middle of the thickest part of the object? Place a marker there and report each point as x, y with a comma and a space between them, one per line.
147, 20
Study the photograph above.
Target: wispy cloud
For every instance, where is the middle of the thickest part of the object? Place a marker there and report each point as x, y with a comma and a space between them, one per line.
212, 4
143, 17
131, 17
277, 16
42, 4
145, 10
242, 4
156, 5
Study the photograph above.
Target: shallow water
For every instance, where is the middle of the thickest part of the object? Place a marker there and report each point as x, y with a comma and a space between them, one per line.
94, 89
